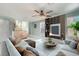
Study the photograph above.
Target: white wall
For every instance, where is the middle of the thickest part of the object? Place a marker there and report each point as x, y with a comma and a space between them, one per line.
4, 29
36, 32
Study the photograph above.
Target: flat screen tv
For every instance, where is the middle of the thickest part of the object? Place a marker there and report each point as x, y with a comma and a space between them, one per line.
55, 30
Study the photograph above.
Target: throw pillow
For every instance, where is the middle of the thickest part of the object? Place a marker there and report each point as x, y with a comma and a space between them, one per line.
28, 53
60, 54
22, 44
73, 44
25, 52
20, 50
33, 50
67, 42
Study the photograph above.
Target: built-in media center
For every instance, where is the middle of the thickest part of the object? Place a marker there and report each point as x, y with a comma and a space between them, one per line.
55, 27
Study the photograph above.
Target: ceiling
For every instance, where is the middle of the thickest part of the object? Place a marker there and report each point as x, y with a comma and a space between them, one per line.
25, 11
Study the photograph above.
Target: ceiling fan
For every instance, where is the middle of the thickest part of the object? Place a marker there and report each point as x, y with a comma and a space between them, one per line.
42, 13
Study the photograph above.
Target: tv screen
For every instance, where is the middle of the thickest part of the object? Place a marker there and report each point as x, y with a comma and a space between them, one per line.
55, 29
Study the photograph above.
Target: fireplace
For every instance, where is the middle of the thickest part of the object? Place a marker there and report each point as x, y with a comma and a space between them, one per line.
55, 30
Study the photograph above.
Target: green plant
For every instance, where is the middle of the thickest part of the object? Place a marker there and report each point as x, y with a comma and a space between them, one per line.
75, 27
49, 40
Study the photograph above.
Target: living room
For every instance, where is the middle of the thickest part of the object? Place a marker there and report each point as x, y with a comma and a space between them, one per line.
45, 28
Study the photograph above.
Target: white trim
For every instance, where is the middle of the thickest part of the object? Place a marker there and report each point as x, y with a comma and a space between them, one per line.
59, 30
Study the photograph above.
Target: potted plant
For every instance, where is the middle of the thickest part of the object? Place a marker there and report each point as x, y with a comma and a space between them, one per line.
75, 27
49, 40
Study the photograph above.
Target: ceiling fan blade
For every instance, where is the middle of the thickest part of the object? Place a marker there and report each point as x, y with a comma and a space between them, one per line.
36, 11
35, 15
49, 16
49, 11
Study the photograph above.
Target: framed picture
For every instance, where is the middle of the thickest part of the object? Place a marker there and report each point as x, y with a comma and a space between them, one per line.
35, 25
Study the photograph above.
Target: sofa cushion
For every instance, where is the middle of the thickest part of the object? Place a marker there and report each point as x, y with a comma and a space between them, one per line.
31, 43
73, 44
68, 48
28, 53
22, 44
25, 52
60, 53
33, 50
19, 49
67, 42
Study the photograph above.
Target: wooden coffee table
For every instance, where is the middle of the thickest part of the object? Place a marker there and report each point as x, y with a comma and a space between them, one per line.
49, 45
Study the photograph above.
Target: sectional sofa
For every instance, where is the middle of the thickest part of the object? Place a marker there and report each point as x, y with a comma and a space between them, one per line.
8, 49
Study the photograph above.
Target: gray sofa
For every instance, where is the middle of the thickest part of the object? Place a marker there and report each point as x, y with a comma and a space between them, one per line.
11, 49
8, 49
3, 49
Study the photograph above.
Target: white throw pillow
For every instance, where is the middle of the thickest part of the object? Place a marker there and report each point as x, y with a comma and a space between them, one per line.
22, 44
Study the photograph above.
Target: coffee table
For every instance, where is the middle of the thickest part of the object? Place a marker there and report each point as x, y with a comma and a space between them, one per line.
49, 45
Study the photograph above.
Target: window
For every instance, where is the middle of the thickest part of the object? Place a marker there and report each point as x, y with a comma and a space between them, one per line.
22, 24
